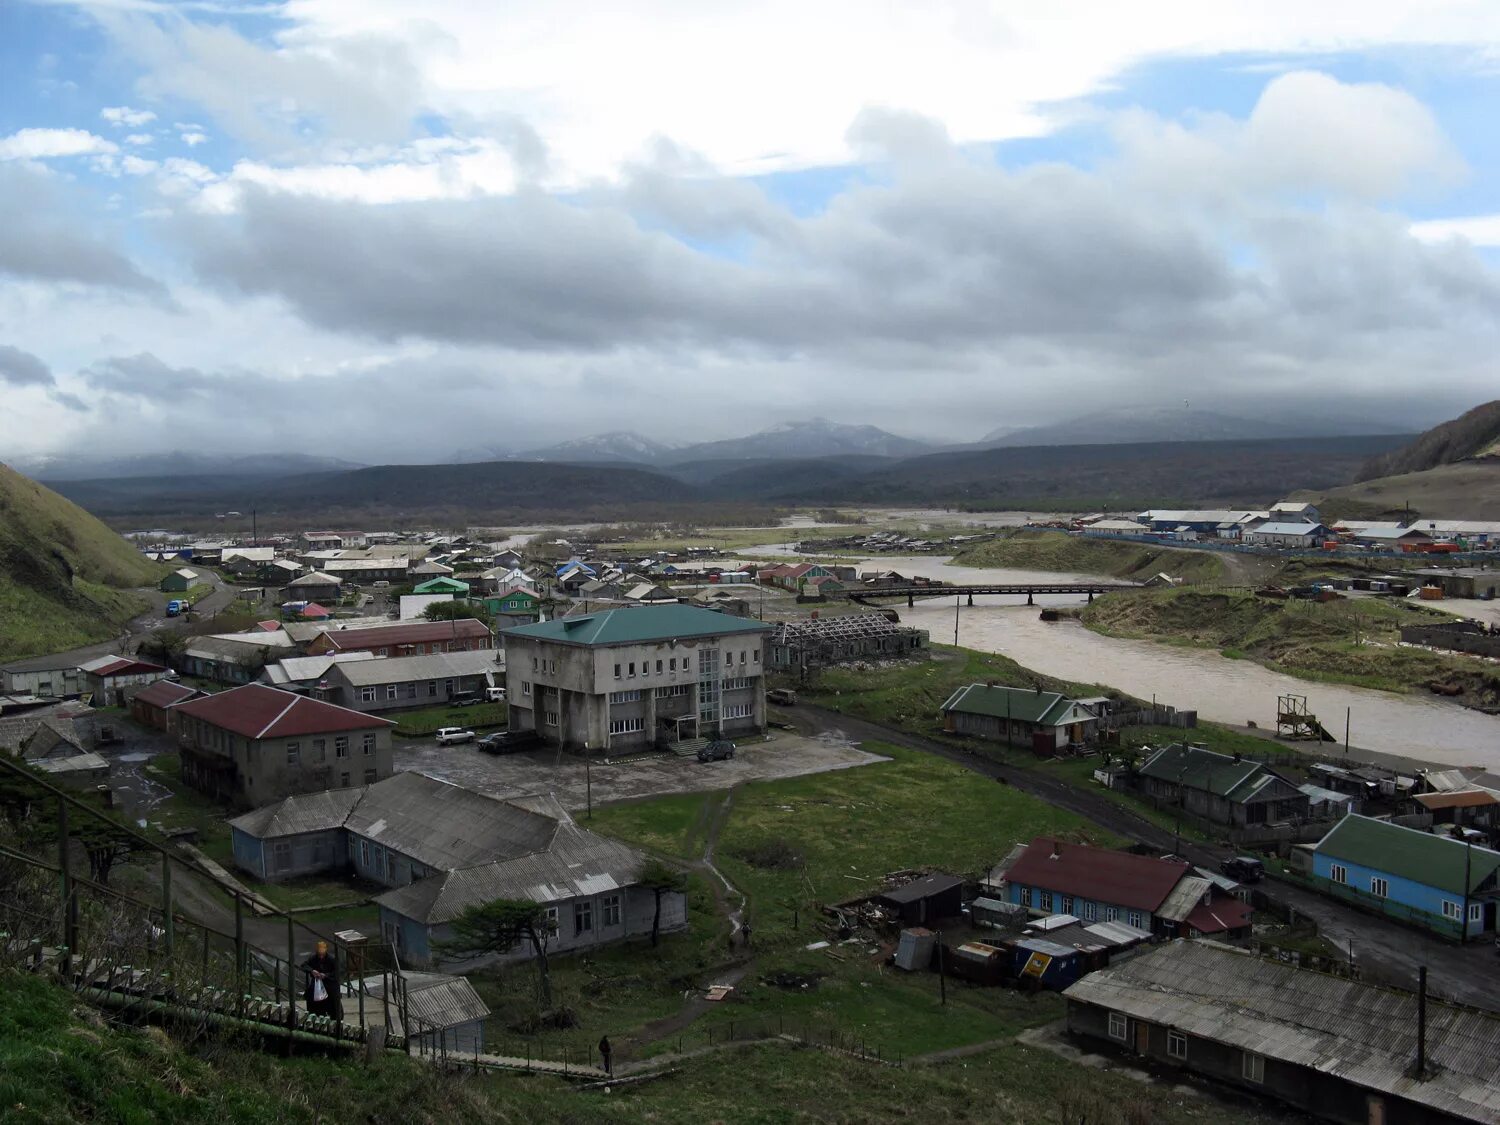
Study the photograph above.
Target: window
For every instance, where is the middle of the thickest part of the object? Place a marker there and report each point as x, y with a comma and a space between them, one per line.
551, 919
1176, 1044
742, 659
382, 652
632, 669
757, 656
525, 687
583, 918
391, 691
1090, 911
368, 743
447, 688
293, 753
1045, 902
625, 696
737, 710
1066, 905
1379, 887
282, 851
550, 717
672, 664
364, 851
320, 750
409, 691
1253, 1068
609, 910
1450, 910
1476, 912
1134, 918
344, 780
737, 684
367, 695
535, 664
687, 663
369, 777
341, 746
1025, 894
432, 689
1111, 914
674, 689
1338, 873
626, 726
658, 667
1119, 1026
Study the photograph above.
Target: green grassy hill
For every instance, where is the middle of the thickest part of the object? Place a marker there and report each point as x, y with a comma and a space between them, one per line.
64, 576
1056, 550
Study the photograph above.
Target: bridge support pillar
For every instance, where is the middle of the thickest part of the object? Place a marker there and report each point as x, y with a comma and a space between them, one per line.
1091, 597
910, 601
971, 599
1030, 599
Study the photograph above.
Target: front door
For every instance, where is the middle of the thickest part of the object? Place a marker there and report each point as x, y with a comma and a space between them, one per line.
1142, 1037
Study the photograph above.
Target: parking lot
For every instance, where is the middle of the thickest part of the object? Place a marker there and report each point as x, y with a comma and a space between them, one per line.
534, 773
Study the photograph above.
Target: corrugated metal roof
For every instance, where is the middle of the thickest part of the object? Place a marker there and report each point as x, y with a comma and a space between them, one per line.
302, 669
307, 812
577, 864
638, 625
1350, 1030
1139, 882
1023, 705
1118, 933
1423, 857
258, 711
1197, 768
399, 669
434, 999
1458, 799
1185, 897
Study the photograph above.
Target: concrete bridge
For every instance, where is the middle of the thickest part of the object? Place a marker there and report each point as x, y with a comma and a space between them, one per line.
1030, 589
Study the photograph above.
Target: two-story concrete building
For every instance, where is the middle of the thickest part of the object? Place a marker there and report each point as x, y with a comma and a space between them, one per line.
636, 677
255, 744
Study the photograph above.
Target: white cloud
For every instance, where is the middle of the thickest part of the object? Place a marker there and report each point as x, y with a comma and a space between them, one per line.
121, 116
41, 144
1481, 230
194, 139
139, 139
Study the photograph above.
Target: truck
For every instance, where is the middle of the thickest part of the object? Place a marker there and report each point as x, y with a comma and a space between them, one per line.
177, 606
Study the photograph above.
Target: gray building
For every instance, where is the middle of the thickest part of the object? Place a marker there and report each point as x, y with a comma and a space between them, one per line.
54, 676
1334, 1048
443, 1013
1042, 720
317, 586
1223, 789
391, 683
630, 678
255, 744
233, 658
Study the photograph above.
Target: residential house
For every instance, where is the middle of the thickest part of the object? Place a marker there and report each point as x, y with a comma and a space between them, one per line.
305, 674
233, 658
1466, 808
508, 559
153, 705
1042, 720
60, 749
406, 638
1429, 880
1287, 535
105, 678
1332, 1047
630, 677
442, 848
428, 568
442, 584
503, 579
179, 581
244, 561
1164, 896
316, 586
1223, 789
646, 593
255, 744
392, 683
279, 572
515, 606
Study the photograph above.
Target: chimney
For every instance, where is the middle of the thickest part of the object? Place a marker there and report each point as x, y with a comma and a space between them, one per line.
1057, 851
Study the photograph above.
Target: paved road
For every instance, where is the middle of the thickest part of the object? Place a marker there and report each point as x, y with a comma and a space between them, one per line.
1469, 974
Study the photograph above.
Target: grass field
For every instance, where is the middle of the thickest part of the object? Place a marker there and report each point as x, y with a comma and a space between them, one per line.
1350, 640
1059, 551
419, 724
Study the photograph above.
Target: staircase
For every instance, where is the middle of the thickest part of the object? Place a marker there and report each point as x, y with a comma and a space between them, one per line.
687, 747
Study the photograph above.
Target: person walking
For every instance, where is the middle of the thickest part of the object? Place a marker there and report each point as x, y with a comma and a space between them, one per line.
322, 989
606, 1052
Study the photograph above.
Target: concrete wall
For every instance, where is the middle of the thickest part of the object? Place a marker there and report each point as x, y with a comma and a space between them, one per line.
264, 769
408, 693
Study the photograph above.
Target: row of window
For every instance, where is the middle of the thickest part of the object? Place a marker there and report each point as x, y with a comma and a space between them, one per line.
737, 683
1252, 1066
626, 726
408, 691
630, 696
320, 749
671, 666
427, 650
737, 710
583, 915
546, 667
1084, 909
1380, 887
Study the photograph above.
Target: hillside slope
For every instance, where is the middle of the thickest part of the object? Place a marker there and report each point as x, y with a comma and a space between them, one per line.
64, 576
1069, 554
1469, 490
1471, 435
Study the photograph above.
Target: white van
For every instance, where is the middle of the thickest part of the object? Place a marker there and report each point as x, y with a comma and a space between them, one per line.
494, 695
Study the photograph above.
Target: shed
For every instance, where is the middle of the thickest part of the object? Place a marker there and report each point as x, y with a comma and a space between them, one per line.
1050, 964
442, 1011
179, 581
926, 899
997, 914
442, 584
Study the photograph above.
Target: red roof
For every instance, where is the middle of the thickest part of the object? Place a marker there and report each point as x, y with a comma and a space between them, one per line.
416, 633
314, 610
1140, 882
1220, 915
268, 626
1458, 799
122, 666
257, 711
164, 693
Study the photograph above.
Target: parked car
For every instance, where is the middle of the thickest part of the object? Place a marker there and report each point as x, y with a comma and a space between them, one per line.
447, 736
1245, 868
716, 751
463, 699
494, 695
784, 696
509, 741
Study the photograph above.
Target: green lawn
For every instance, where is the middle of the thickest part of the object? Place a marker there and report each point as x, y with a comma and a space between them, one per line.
420, 723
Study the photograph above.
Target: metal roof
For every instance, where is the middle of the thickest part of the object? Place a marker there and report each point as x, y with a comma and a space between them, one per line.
1423, 857
293, 816
1288, 529
928, 885
164, 693
1358, 1032
577, 864
1186, 896
395, 634
303, 669
637, 625
436, 1000
1197, 768
1118, 933
1139, 882
257, 711
1022, 705
399, 669
316, 578
1458, 799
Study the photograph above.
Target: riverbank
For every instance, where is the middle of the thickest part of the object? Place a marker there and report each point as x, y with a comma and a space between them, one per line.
1349, 640
1059, 551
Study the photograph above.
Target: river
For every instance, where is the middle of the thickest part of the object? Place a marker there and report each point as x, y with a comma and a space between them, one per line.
1421, 727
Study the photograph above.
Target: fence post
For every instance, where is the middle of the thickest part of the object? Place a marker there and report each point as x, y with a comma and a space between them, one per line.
69, 915
168, 932
291, 982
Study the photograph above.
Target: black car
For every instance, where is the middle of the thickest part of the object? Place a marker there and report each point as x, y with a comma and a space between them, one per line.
1245, 868
508, 741
716, 751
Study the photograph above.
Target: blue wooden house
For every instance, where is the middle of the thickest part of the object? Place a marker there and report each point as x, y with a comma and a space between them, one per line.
1424, 878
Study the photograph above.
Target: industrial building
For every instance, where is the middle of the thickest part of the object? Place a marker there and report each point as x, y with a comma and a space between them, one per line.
810, 642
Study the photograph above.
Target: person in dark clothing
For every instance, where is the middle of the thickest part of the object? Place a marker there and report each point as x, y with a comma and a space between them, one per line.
606, 1052
322, 989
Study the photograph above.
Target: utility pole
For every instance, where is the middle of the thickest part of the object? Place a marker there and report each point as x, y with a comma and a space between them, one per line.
955, 620
1348, 714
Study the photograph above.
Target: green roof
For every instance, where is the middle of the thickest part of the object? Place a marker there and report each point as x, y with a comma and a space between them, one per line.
441, 585
1022, 705
1422, 857
637, 625
1197, 768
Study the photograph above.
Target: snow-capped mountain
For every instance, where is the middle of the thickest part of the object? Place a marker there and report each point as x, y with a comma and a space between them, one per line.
814, 437
617, 445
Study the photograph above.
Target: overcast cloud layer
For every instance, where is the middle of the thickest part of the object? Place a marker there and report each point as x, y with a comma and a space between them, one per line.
348, 236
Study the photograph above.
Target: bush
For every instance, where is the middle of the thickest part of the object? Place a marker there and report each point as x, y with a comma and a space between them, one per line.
777, 854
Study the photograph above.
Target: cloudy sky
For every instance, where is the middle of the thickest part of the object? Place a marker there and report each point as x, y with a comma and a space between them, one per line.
389, 231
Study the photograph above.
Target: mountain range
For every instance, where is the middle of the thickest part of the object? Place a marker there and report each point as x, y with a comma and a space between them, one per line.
1132, 424
175, 463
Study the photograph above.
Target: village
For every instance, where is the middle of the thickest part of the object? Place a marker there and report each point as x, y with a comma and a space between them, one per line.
376, 741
